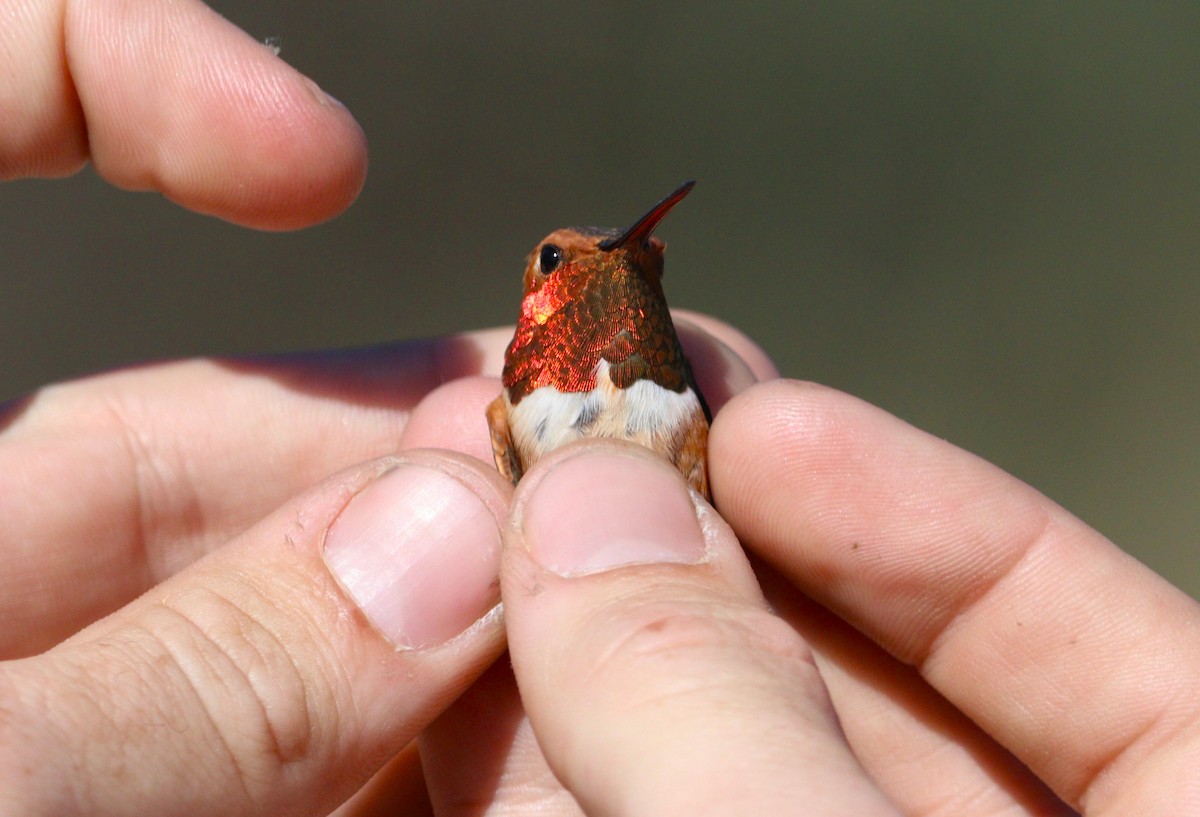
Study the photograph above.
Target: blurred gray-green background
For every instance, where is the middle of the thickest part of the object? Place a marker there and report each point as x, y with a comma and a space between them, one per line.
982, 217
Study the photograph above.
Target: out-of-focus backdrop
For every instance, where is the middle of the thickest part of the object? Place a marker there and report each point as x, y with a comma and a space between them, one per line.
984, 218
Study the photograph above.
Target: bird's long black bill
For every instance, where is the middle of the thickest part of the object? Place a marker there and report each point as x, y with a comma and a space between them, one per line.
645, 225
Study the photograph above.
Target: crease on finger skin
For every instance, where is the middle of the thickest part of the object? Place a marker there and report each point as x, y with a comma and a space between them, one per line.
1020, 550
197, 688
923, 751
44, 132
254, 662
202, 712
662, 636
145, 470
668, 623
699, 676
90, 716
1159, 757
1063, 658
1061, 647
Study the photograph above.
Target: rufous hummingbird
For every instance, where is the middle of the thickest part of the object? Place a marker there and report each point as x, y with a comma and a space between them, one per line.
595, 353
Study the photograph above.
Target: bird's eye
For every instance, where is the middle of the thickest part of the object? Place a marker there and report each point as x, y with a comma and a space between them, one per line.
549, 258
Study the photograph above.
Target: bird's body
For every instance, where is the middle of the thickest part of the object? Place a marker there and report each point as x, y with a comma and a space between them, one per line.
595, 353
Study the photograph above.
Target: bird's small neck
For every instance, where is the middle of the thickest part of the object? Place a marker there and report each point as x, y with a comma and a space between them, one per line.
570, 324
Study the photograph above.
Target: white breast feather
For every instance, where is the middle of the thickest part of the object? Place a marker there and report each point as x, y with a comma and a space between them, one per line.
547, 418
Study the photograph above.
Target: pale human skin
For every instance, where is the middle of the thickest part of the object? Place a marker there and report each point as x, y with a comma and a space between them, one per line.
939, 639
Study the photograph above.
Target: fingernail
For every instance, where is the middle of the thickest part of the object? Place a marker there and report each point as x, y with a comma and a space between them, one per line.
418, 552
596, 512
322, 96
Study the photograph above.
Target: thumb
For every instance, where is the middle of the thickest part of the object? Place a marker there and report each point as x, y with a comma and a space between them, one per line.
655, 678
279, 673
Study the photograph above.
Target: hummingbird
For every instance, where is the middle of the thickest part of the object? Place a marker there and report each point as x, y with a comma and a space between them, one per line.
595, 353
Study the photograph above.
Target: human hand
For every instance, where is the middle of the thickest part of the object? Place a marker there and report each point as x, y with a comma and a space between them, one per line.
916, 632
246, 680
1015, 625
248, 662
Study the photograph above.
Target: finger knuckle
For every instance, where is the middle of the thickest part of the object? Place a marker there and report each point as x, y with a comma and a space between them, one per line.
210, 670
673, 635
198, 686
233, 665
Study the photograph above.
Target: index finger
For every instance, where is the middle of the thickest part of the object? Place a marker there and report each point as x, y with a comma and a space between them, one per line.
172, 97
1069, 652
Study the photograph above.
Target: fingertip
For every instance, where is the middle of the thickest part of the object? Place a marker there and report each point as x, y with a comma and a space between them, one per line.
611, 514
293, 156
479, 477
452, 416
765, 433
750, 353
179, 100
300, 167
767, 398
600, 508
